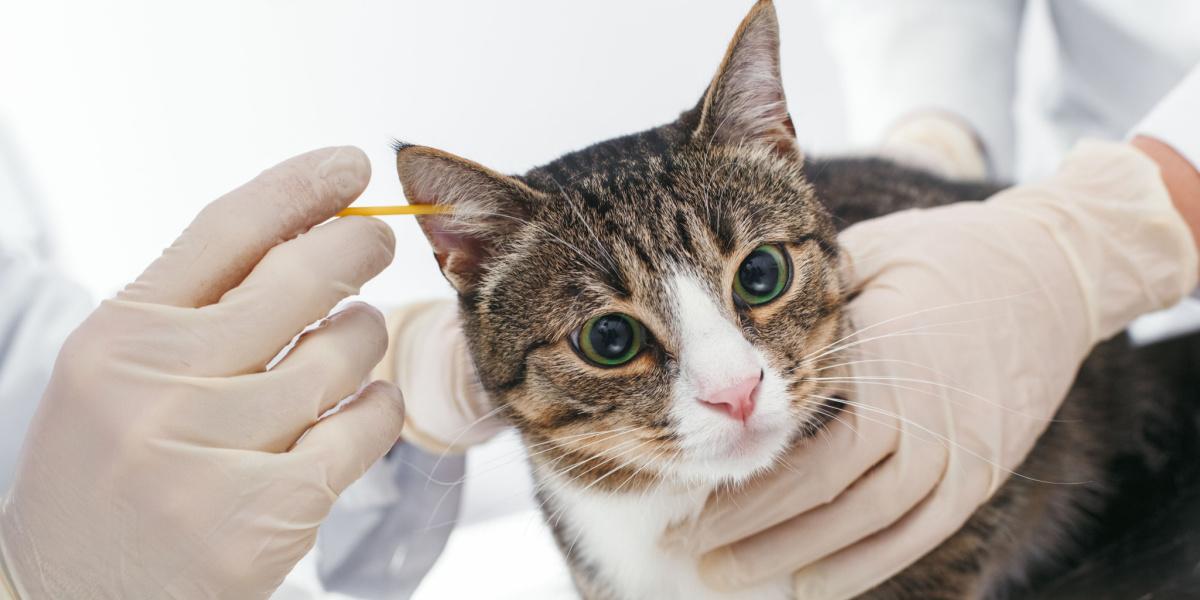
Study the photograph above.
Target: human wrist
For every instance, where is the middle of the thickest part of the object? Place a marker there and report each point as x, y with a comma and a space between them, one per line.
1110, 213
1181, 178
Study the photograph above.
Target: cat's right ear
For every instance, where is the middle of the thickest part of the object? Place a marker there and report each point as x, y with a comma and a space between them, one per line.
745, 104
486, 207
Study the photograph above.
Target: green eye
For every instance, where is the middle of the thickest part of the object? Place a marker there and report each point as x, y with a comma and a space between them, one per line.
763, 275
610, 340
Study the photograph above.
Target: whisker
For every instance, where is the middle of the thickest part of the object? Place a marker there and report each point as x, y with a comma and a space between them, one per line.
520, 452
915, 332
836, 417
880, 360
475, 423
618, 467
448, 490
884, 380
649, 461
590, 459
943, 439
914, 313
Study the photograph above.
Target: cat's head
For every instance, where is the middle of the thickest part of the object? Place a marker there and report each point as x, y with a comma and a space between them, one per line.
651, 305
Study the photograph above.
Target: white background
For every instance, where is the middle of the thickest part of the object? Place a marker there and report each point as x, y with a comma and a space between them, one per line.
132, 115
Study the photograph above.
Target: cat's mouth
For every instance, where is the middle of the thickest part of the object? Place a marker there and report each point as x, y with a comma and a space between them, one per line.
753, 440
721, 449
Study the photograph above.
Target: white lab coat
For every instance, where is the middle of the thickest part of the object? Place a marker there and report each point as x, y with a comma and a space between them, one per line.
1090, 68
38, 308
1032, 77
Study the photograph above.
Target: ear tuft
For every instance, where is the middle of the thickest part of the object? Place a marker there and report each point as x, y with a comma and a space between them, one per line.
487, 206
398, 145
745, 103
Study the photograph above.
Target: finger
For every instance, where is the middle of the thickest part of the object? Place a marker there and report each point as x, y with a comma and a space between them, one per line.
334, 360
269, 411
232, 234
868, 563
816, 473
866, 247
878, 500
295, 284
345, 444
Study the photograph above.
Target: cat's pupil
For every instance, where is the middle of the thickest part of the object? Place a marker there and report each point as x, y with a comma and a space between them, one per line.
611, 336
759, 273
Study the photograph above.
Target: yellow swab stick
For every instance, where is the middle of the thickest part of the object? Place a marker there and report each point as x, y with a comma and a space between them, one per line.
406, 209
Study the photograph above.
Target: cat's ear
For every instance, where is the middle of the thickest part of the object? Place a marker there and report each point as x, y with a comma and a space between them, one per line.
744, 104
486, 207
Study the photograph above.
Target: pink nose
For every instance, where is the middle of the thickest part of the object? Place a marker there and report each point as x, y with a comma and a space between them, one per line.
736, 400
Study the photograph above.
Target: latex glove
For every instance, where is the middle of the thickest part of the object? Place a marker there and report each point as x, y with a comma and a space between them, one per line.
937, 142
447, 411
972, 322
164, 461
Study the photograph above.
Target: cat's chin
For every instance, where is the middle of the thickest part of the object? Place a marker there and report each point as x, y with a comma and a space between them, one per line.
735, 456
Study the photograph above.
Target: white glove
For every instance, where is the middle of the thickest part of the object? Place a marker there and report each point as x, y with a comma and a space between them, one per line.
165, 461
447, 410
972, 322
936, 142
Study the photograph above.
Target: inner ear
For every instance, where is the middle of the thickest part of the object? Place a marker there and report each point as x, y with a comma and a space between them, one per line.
486, 206
745, 103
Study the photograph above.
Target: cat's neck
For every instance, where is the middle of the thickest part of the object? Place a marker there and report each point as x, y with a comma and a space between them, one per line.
617, 537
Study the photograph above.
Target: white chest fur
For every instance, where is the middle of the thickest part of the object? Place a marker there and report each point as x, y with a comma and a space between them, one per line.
620, 535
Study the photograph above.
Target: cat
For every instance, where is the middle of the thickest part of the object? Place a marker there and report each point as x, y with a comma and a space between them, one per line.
642, 312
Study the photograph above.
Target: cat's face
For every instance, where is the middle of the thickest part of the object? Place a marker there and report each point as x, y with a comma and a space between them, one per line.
655, 305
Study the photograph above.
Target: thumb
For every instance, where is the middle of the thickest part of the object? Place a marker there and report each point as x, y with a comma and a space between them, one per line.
868, 248
858, 256
349, 441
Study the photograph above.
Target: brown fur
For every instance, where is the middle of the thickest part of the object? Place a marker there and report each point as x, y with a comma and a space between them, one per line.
533, 256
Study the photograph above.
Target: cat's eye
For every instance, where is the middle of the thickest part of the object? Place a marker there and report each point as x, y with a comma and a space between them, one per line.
610, 340
763, 275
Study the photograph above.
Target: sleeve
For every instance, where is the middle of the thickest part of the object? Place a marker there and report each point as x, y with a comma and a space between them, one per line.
897, 58
386, 530
38, 308
1176, 119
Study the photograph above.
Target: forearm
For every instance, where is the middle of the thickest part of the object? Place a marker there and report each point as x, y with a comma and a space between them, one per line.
1180, 177
1170, 136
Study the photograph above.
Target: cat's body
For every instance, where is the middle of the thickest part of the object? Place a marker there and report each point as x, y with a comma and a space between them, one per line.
1124, 436
647, 311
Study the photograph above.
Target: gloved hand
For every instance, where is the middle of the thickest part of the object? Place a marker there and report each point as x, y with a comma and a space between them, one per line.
971, 324
447, 410
165, 460
937, 142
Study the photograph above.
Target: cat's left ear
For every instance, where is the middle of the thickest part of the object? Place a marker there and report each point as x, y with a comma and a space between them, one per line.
487, 208
745, 104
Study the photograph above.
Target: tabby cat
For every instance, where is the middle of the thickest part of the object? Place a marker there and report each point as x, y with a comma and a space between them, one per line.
641, 311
